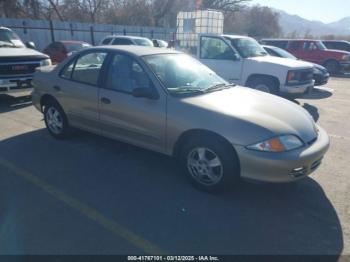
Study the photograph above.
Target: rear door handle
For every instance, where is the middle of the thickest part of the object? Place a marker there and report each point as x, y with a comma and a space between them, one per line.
57, 88
105, 100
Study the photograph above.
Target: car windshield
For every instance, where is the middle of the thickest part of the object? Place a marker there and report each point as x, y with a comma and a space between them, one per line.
284, 53
9, 38
72, 47
162, 43
143, 42
181, 73
248, 47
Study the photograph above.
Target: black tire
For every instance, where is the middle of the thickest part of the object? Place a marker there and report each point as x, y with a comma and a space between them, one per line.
270, 84
333, 67
230, 172
65, 130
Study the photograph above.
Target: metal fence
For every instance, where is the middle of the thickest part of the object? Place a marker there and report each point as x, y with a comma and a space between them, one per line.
43, 32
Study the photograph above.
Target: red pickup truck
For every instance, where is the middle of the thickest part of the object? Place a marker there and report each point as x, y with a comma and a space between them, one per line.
314, 51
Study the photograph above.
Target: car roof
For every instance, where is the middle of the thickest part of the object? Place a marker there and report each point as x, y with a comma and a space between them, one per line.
72, 42
295, 40
236, 36
270, 46
341, 41
126, 36
137, 50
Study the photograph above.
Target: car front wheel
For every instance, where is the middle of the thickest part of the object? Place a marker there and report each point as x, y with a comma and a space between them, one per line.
210, 164
55, 120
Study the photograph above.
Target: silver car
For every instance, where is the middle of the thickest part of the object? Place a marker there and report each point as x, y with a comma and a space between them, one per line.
169, 102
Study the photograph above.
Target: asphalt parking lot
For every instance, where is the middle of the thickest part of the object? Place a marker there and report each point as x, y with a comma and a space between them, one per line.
92, 195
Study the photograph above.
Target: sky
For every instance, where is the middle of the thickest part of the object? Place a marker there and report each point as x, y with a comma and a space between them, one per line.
322, 10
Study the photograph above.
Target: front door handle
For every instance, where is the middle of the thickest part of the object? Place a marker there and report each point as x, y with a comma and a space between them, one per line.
105, 100
57, 88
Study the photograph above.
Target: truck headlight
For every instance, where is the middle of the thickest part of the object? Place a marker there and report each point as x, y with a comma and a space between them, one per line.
345, 57
278, 144
45, 62
293, 77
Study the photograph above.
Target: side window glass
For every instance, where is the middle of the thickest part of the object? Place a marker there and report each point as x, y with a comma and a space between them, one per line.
294, 45
121, 41
88, 67
106, 41
125, 74
67, 71
310, 46
215, 48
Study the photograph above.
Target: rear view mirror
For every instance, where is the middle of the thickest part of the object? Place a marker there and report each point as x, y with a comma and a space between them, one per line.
30, 45
145, 92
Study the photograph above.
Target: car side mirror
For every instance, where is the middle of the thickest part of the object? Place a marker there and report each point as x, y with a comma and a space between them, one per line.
30, 45
144, 92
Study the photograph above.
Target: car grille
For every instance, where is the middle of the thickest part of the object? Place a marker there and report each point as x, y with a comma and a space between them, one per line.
18, 68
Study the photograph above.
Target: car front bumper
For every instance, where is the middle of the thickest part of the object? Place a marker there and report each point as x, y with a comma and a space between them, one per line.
283, 167
15, 84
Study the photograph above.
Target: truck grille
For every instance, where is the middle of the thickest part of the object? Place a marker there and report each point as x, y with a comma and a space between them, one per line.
18, 68
306, 75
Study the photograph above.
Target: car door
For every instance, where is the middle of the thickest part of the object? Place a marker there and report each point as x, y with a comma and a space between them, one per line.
218, 54
77, 89
136, 120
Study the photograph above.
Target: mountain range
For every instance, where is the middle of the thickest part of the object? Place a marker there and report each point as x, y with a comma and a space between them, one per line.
294, 23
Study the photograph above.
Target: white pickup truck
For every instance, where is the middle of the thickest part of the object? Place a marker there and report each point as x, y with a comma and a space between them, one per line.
17, 62
243, 61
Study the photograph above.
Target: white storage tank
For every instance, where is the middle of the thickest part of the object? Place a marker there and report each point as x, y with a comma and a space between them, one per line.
190, 24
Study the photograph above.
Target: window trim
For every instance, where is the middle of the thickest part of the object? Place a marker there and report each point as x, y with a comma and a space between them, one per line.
75, 59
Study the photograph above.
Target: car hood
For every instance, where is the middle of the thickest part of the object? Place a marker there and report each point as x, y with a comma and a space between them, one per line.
6, 52
319, 67
285, 62
260, 115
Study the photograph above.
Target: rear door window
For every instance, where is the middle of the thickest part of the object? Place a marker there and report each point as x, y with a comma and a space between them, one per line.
85, 69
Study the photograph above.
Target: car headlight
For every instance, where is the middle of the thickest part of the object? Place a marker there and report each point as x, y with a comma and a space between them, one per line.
278, 144
45, 62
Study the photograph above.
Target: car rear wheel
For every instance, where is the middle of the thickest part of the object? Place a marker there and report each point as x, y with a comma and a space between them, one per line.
210, 164
56, 120
332, 67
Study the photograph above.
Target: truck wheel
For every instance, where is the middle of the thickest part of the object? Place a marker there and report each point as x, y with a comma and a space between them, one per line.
56, 120
264, 84
210, 164
332, 66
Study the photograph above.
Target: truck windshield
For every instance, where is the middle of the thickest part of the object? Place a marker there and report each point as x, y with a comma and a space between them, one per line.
9, 38
247, 47
181, 73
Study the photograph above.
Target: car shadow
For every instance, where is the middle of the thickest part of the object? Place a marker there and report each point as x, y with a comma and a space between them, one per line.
342, 75
11, 103
318, 93
147, 193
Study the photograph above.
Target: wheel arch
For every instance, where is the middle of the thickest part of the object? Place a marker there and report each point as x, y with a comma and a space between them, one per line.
257, 76
185, 136
45, 99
